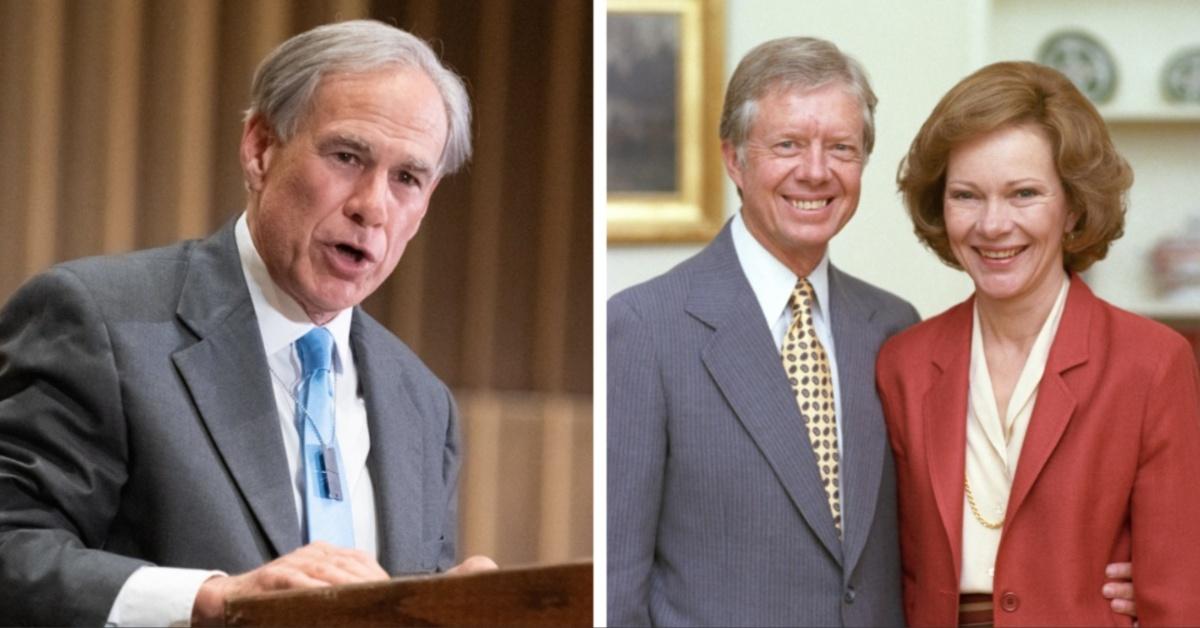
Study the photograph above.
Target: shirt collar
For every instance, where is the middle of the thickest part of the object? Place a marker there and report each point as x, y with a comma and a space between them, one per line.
772, 281
1026, 387
281, 320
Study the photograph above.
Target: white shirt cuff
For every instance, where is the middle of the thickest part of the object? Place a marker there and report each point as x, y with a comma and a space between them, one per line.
158, 596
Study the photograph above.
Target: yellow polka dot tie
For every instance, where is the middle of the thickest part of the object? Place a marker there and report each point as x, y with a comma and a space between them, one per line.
807, 368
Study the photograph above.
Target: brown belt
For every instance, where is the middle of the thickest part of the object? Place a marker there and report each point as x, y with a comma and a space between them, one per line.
975, 610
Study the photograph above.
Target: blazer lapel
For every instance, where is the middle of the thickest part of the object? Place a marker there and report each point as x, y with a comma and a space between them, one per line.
945, 423
1055, 400
745, 364
395, 427
227, 375
864, 435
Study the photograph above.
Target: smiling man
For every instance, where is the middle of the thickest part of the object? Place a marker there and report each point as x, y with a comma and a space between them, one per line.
749, 477
219, 417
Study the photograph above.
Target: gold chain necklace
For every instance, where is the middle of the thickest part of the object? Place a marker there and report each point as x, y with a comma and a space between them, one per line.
975, 509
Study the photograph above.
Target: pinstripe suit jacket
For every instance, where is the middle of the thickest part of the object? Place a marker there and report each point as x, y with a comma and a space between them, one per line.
716, 511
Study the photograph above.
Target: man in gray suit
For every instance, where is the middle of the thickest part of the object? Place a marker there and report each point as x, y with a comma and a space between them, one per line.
718, 512
749, 477
163, 414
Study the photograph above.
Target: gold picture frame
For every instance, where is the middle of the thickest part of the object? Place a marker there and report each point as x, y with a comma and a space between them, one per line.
665, 74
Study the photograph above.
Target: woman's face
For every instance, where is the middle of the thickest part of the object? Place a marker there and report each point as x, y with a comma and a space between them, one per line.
1006, 214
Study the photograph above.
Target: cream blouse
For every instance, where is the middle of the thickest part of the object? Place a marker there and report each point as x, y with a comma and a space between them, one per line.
994, 446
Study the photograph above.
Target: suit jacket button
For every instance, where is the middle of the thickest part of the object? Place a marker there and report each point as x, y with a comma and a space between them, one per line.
1010, 602
850, 594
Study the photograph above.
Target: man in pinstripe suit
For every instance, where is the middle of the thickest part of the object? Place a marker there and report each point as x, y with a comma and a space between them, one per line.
718, 512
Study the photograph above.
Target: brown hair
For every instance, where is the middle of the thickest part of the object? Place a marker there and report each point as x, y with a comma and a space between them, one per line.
1094, 175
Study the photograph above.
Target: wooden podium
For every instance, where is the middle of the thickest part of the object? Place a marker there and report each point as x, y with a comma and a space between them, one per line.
559, 595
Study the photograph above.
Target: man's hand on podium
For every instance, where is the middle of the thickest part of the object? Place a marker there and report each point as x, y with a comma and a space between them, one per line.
473, 564
314, 565
317, 564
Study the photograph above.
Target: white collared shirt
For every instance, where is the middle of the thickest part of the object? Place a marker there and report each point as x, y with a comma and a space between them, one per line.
282, 322
165, 595
994, 445
772, 283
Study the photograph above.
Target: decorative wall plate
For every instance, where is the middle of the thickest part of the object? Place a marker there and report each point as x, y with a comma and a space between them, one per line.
1084, 60
1181, 77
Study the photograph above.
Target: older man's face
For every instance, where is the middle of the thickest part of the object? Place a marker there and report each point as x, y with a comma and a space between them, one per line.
802, 172
333, 208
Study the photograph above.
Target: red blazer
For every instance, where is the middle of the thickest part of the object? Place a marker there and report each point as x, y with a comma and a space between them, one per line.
1109, 471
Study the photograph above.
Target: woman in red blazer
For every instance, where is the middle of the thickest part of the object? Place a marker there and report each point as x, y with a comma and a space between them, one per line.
1039, 432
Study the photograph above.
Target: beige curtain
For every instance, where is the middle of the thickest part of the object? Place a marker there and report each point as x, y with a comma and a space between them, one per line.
119, 124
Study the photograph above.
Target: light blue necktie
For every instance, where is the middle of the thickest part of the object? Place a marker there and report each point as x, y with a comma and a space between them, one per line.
326, 519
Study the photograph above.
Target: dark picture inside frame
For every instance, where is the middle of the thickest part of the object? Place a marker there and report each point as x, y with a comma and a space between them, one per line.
643, 74
665, 83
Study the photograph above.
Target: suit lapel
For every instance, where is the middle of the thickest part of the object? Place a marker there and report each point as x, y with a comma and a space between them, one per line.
1055, 399
945, 423
395, 427
745, 365
227, 375
864, 435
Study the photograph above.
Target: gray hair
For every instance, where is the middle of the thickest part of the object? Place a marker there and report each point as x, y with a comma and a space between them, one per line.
287, 79
786, 63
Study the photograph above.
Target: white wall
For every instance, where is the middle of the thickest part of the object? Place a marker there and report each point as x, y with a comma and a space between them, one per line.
914, 52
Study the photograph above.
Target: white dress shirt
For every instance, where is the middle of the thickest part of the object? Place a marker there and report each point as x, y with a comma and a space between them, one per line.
994, 446
165, 595
772, 283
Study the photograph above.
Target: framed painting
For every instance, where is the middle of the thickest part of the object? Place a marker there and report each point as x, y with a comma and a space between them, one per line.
664, 97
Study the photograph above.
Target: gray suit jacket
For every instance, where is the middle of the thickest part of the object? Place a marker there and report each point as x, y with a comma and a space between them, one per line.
716, 512
138, 426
